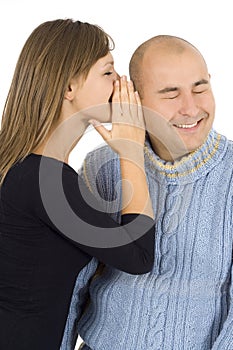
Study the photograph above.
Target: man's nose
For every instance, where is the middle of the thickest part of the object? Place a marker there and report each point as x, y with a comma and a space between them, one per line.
188, 105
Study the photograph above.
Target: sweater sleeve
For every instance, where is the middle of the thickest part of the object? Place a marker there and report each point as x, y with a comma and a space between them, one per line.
74, 212
225, 337
95, 172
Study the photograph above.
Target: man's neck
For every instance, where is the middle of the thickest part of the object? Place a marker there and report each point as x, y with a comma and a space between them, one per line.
169, 155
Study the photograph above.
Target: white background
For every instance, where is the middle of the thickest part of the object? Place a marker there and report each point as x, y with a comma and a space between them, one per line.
208, 24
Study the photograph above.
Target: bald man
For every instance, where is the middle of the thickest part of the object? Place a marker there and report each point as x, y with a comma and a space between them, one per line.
186, 301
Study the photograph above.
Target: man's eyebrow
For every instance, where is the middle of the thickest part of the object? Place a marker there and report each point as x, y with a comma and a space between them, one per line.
167, 89
200, 82
172, 89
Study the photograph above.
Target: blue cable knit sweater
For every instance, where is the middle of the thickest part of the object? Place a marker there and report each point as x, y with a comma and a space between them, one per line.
186, 302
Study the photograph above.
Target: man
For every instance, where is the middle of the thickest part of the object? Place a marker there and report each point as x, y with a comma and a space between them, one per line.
186, 301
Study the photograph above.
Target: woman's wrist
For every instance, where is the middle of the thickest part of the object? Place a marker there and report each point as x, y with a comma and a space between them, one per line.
133, 154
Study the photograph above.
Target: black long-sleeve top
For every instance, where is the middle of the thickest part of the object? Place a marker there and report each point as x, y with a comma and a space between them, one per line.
50, 228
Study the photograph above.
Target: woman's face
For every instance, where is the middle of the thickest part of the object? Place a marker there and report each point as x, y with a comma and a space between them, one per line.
97, 89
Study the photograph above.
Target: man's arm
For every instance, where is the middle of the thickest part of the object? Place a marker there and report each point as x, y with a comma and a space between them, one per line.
77, 306
101, 174
225, 339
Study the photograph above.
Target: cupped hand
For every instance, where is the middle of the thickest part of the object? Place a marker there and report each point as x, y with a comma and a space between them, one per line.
127, 135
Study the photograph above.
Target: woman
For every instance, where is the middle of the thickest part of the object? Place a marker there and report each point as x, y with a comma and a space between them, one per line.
50, 224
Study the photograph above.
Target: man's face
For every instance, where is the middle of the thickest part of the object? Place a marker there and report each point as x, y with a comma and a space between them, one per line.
178, 100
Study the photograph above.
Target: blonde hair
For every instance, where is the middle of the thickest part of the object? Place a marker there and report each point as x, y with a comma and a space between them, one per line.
55, 52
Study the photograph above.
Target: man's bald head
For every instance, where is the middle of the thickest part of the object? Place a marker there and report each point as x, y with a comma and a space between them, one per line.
159, 44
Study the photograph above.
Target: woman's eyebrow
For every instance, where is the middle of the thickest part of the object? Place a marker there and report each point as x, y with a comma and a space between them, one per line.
109, 63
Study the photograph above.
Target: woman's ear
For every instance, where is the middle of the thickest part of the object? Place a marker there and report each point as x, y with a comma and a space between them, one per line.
71, 90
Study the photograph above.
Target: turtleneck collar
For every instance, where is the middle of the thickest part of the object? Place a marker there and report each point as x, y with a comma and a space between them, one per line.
190, 167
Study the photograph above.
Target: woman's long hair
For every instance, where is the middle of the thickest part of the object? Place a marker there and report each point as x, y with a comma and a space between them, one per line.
54, 53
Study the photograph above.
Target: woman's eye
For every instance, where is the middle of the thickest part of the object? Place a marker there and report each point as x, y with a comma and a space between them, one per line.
108, 73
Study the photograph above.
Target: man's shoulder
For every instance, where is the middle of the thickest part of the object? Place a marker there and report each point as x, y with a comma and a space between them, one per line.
229, 148
101, 152
230, 145
99, 164
101, 172
227, 160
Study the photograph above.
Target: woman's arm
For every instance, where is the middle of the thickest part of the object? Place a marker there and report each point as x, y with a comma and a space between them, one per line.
127, 138
75, 213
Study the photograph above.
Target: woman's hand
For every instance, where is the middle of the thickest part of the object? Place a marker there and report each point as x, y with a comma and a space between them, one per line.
127, 138
127, 135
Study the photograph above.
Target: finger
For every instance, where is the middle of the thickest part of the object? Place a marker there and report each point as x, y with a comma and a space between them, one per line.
124, 96
133, 102
140, 110
116, 92
116, 105
131, 92
124, 90
105, 133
